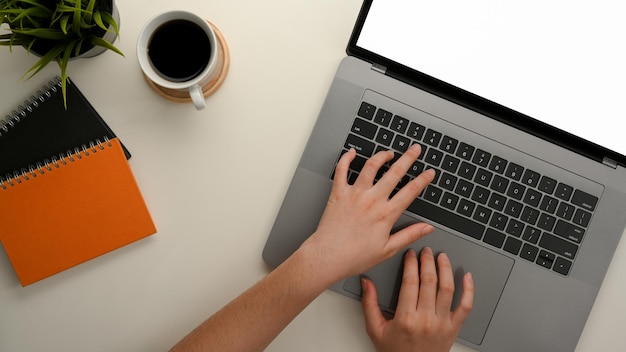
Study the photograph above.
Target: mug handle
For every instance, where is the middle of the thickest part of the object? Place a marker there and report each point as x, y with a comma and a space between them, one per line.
197, 96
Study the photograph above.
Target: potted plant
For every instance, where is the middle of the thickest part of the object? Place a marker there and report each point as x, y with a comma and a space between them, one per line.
60, 30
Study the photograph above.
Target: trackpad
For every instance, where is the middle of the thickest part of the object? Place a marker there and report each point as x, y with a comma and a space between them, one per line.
489, 269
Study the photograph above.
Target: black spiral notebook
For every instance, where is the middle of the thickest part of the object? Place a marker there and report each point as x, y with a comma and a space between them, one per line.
42, 127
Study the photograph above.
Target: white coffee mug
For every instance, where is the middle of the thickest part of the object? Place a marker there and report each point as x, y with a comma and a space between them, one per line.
179, 54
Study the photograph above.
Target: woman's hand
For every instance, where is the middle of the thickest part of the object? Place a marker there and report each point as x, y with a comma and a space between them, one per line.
354, 232
423, 321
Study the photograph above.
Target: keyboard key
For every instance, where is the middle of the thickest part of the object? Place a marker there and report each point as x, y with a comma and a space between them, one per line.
547, 184
499, 221
383, 117
546, 222
584, 200
364, 128
467, 170
362, 146
384, 137
562, 266
564, 191
399, 124
531, 234
447, 181
559, 246
531, 178
515, 228
416, 169
434, 157
514, 171
532, 198
569, 231
513, 208
582, 218
545, 259
433, 194
465, 151
549, 204
464, 188
516, 191
566, 211
530, 215
367, 111
512, 245
497, 164
401, 143
357, 164
496, 201
482, 214
448, 144
499, 184
450, 163
494, 238
529, 252
447, 218
483, 177
466, 208
481, 195
449, 201
432, 138
481, 158
416, 131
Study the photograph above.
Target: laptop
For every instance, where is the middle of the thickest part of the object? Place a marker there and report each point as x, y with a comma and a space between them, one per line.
515, 106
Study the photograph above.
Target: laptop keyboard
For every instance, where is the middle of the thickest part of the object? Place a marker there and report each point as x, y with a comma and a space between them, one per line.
479, 194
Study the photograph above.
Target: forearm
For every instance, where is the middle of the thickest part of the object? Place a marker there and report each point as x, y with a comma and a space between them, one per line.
251, 321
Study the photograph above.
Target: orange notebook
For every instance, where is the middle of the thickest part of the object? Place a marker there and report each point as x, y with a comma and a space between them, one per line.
70, 209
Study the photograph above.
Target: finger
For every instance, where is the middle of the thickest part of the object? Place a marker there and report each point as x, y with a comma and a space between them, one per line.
398, 170
467, 301
409, 289
445, 293
406, 236
371, 168
413, 189
374, 318
341, 170
428, 282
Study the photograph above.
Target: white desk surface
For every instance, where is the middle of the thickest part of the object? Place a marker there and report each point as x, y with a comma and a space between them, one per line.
213, 181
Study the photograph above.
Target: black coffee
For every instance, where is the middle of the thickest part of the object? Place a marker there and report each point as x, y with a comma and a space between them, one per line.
179, 50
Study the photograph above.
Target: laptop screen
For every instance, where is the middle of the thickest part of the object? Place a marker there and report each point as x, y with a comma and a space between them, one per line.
561, 62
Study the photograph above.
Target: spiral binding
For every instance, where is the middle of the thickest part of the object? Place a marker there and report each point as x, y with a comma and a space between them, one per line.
48, 165
29, 105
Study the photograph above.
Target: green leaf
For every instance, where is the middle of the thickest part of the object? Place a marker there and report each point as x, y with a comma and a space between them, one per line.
89, 12
108, 19
45, 60
44, 33
63, 23
103, 43
77, 17
63, 66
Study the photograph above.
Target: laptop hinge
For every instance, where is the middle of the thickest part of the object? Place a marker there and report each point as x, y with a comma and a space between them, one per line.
609, 162
379, 68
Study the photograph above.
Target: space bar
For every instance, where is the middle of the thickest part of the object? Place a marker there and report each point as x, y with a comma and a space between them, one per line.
446, 218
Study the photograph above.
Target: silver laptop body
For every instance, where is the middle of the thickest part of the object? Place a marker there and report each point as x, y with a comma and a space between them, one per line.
534, 289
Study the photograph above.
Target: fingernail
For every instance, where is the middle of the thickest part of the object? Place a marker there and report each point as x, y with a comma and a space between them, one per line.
427, 250
410, 253
364, 286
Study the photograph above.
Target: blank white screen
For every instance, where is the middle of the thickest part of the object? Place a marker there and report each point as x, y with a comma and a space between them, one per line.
561, 62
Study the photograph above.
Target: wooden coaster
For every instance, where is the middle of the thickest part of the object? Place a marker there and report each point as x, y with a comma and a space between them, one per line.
212, 86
